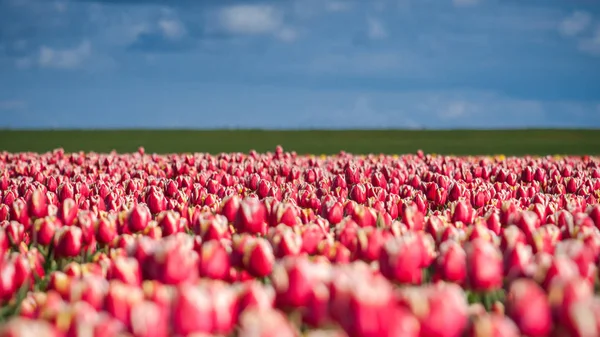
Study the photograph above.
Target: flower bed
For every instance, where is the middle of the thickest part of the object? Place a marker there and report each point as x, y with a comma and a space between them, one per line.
280, 244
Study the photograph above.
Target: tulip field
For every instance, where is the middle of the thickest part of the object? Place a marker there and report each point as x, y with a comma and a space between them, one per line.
282, 244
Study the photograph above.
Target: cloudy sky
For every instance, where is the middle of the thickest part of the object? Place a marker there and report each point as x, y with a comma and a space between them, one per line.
299, 63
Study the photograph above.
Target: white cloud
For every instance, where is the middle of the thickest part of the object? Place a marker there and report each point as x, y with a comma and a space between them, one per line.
465, 3
575, 24
287, 34
251, 19
591, 45
171, 28
256, 20
338, 6
68, 58
375, 29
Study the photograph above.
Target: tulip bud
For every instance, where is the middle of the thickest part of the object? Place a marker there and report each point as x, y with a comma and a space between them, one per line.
430, 303
333, 212
170, 222
45, 229
159, 266
284, 213
358, 193
312, 234
19, 213
370, 241
90, 289
126, 270
528, 306
254, 295
156, 202
451, 263
106, 231
148, 320
224, 308
286, 243
258, 257
120, 299
67, 212
559, 267
462, 212
230, 206
251, 217
401, 260
412, 217
191, 312
37, 204
8, 286
484, 266
138, 218
68, 241
214, 260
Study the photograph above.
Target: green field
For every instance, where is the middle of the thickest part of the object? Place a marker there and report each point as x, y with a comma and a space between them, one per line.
510, 142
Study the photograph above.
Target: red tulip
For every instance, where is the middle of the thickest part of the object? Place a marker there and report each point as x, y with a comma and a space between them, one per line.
286, 243
484, 266
451, 264
441, 309
401, 260
254, 295
284, 213
138, 218
462, 212
120, 299
148, 320
224, 308
528, 306
333, 212
173, 262
8, 285
412, 217
214, 260
230, 206
364, 216
37, 204
191, 312
126, 270
67, 211
106, 231
213, 227
68, 241
45, 229
258, 257
251, 217
90, 289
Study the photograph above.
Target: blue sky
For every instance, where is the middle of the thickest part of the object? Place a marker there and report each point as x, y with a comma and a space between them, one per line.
299, 64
